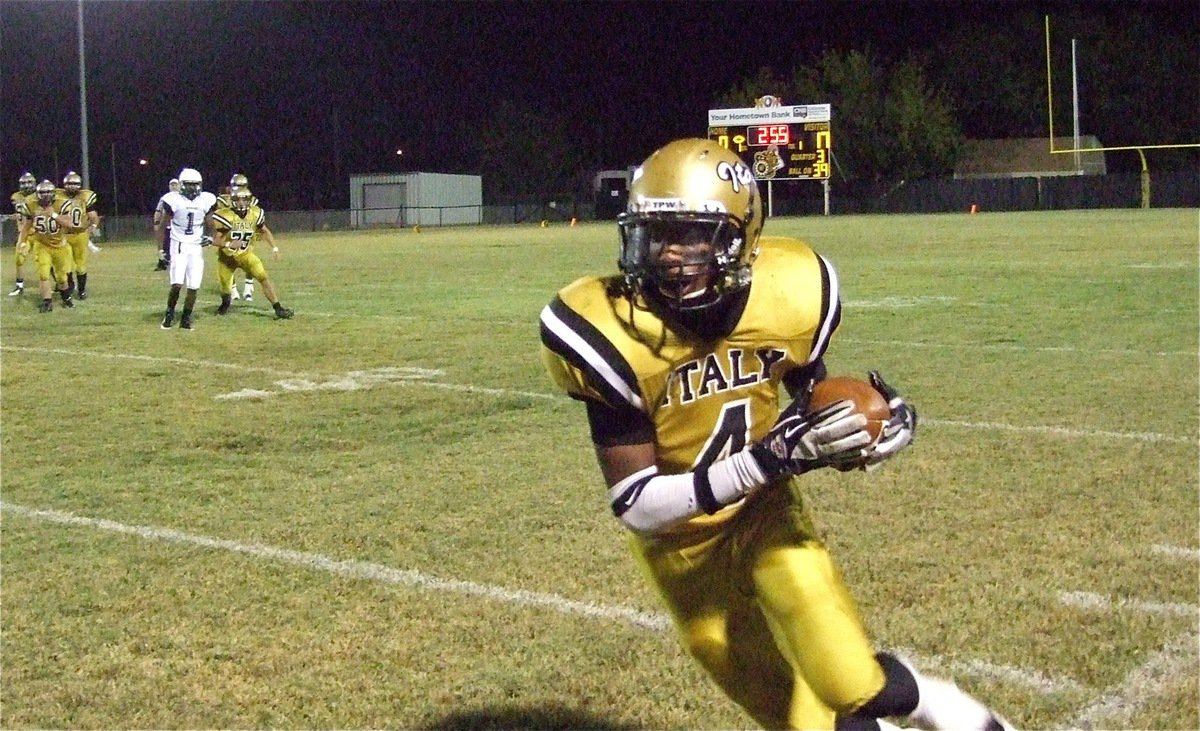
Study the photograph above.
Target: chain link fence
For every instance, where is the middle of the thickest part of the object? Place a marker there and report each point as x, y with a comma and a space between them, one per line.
1168, 189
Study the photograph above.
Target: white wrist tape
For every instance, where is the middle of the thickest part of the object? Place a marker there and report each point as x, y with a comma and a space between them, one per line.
735, 477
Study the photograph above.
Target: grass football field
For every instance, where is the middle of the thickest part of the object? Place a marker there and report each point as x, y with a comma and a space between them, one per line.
380, 514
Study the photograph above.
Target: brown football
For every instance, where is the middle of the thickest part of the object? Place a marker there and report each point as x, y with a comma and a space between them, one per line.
847, 388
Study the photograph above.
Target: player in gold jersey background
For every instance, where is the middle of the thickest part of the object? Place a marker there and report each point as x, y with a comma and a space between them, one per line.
237, 228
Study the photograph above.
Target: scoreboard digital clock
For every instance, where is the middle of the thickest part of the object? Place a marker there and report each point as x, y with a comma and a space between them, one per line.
786, 142
768, 134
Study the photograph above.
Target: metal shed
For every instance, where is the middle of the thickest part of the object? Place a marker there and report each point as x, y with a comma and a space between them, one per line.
410, 199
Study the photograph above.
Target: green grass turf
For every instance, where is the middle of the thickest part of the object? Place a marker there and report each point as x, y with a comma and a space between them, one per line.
379, 514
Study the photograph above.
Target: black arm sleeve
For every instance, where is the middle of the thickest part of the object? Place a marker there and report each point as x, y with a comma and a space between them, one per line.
613, 426
799, 382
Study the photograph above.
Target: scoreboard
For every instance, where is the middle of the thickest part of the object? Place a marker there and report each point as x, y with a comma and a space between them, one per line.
783, 142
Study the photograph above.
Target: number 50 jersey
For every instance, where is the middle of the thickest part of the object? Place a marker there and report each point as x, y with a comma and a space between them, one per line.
706, 399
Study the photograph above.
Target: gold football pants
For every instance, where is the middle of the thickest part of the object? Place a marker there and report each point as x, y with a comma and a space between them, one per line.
57, 258
248, 262
761, 605
79, 251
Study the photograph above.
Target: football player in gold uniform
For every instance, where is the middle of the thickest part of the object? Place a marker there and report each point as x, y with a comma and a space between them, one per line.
84, 221
235, 231
679, 361
45, 217
26, 185
236, 182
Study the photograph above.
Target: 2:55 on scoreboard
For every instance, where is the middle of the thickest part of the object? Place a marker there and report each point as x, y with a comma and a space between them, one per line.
769, 134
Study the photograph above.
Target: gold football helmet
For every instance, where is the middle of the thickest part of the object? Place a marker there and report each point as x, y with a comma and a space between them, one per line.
45, 192
690, 231
72, 182
27, 183
241, 199
238, 181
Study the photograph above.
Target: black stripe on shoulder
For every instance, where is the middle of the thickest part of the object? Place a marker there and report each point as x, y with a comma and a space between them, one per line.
581, 344
831, 311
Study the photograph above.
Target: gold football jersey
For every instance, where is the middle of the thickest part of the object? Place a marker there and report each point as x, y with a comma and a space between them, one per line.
706, 399
46, 229
77, 207
241, 231
18, 203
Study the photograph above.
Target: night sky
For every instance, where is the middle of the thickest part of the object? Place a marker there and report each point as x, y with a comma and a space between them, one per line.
299, 94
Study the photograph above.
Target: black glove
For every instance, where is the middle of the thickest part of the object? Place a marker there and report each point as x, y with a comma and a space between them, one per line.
800, 442
898, 432
206, 240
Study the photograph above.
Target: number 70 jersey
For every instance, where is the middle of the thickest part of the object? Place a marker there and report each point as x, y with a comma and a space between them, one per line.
706, 399
186, 215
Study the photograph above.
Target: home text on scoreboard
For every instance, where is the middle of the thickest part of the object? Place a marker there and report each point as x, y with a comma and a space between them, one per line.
784, 142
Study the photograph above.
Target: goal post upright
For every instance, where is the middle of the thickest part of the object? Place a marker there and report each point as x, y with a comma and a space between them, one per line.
1076, 150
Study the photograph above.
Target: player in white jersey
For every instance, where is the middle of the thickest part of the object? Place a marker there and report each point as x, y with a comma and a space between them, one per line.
186, 214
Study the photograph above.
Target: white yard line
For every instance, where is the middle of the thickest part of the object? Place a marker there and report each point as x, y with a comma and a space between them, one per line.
1174, 663
355, 569
504, 392
1180, 552
191, 363
1030, 679
1015, 348
1100, 603
1061, 431
363, 570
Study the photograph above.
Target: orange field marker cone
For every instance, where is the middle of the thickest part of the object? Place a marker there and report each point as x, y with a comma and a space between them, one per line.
974, 209
572, 223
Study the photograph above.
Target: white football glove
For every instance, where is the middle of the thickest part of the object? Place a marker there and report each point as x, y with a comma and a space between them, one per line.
92, 247
799, 442
897, 433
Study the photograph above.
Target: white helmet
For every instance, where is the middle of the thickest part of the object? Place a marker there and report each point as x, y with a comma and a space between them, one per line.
190, 182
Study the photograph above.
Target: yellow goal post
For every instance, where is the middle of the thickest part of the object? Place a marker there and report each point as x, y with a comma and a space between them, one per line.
1076, 150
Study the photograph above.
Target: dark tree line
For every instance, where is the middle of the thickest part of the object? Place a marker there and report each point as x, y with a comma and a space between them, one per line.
906, 114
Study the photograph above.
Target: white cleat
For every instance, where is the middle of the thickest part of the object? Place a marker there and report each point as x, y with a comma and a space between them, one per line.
233, 295
944, 706
16, 291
